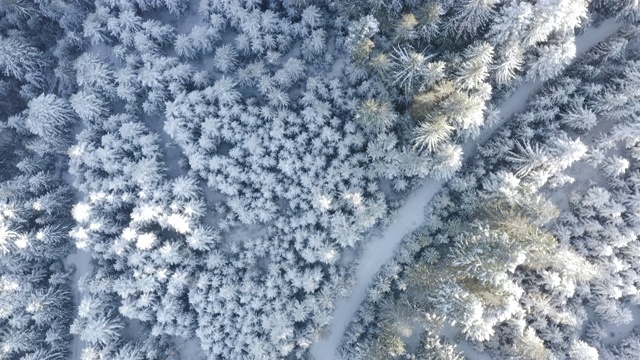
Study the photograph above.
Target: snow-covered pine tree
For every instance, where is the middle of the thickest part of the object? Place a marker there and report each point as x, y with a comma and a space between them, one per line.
49, 117
20, 59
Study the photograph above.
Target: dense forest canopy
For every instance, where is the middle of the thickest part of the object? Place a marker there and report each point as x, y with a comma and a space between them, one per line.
203, 178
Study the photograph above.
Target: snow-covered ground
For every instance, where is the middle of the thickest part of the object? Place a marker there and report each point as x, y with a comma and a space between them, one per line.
81, 260
619, 332
190, 349
410, 216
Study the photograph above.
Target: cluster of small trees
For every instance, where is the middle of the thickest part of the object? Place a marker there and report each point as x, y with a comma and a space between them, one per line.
487, 264
144, 230
598, 226
467, 271
30, 57
285, 155
36, 305
621, 9
429, 56
602, 224
115, 161
108, 330
140, 227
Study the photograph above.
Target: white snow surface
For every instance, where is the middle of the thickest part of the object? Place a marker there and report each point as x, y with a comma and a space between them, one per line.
620, 332
410, 216
81, 260
471, 353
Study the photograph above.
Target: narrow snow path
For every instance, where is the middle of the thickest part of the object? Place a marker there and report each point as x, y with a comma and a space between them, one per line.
81, 260
410, 216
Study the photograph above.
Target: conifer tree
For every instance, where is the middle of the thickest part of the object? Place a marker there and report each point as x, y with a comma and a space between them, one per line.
49, 117
19, 59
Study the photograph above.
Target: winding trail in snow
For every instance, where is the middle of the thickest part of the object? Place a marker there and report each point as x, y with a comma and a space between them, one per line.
410, 216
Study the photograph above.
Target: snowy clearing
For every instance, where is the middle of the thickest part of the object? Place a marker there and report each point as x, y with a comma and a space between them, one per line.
410, 216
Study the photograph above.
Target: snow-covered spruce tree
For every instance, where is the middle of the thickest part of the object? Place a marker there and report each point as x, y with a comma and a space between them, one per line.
469, 16
225, 58
359, 41
96, 323
89, 106
474, 70
409, 69
315, 45
376, 115
577, 116
552, 59
509, 62
94, 74
199, 42
49, 117
444, 105
431, 134
94, 27
447, 160
19, 59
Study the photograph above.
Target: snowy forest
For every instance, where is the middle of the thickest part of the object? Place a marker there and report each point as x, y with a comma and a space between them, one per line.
319, 179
